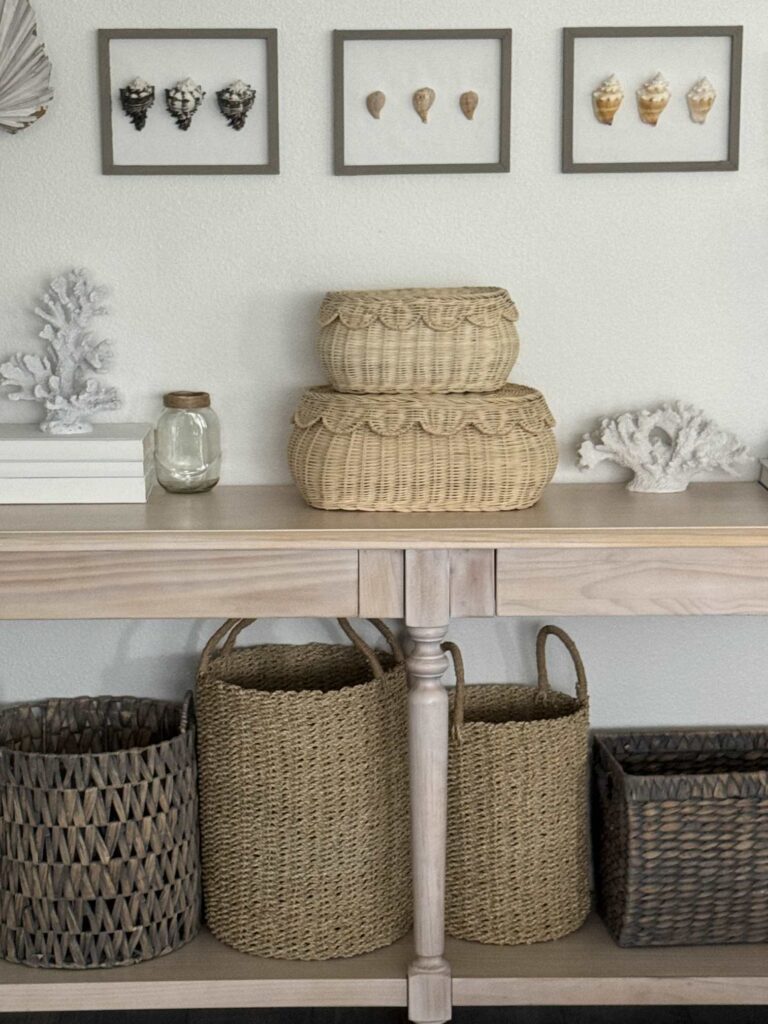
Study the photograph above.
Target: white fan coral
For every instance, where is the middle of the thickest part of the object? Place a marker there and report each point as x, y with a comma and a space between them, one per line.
25, 71
61, 379
664, 448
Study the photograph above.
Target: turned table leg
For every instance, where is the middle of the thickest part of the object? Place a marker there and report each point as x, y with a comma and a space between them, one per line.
429, 976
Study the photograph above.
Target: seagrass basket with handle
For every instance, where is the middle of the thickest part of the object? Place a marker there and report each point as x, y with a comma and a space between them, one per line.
98, 831
304, 795
418, 339
681, 835
518, 861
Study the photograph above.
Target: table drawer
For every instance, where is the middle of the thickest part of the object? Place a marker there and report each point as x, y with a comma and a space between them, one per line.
633, 581
177, 584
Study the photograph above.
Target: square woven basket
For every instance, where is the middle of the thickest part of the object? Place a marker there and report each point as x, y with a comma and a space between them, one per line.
681, 836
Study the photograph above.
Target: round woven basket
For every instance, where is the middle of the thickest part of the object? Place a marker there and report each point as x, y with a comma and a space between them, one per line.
423, 453
518, 859
418, 339
304, 795
98, 831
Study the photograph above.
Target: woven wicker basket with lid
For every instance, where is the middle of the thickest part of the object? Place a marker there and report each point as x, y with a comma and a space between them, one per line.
435, 340
425, 453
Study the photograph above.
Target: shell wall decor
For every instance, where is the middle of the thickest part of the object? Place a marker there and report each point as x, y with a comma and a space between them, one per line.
701, 98
25, 70
468, 102
136, 100
607, 99
375, 102
236, 102
183, 101
652, 99
664, 448
422, 101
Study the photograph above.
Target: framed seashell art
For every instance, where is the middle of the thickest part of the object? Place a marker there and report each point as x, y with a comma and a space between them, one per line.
189, 101
651, 98
422, 102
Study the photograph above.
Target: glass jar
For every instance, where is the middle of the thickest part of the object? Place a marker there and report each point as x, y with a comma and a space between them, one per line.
188, 443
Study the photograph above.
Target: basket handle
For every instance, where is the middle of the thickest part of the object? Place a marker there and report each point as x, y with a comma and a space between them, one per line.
368, 652
543, 685
185, 710
226, 635
229, 629
458, 699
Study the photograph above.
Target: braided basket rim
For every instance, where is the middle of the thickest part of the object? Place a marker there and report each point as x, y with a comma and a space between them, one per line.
497, 412
440, 309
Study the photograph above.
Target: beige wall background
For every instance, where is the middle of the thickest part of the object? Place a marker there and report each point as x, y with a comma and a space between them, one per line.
632, 289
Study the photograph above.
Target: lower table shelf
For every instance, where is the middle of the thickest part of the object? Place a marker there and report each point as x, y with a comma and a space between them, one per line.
585, 968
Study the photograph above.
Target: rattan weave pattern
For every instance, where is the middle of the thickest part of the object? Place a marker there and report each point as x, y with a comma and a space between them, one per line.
518, 862
418, 340
425, 453
681, 836
304, 796
98, 831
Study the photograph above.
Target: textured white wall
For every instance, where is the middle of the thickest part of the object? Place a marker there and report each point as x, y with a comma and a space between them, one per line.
632, 288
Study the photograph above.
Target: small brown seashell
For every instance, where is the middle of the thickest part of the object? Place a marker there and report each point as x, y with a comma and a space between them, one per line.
422, 101
468, 102
375, 102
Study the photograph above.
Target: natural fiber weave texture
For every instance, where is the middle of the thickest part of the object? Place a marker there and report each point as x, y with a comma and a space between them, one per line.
418, 340
423, 453
98, 832
304, 796
681, 836
518, 863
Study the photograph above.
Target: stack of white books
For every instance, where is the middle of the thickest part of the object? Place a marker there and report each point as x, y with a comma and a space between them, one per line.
112, 464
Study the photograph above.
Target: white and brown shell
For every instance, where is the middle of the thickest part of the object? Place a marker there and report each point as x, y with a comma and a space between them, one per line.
422, 101
375, 102
607, 99
701, 98
468, 102
25, 70
652, 99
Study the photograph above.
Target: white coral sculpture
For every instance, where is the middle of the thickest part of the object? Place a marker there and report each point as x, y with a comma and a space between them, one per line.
664, 448
61, 379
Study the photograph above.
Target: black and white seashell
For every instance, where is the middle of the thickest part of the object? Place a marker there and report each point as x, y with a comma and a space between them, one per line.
183, 101
136, 98
236, 102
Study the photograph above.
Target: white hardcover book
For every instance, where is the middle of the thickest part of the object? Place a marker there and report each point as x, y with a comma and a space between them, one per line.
763, 478
25, 470
109, 442
76, 490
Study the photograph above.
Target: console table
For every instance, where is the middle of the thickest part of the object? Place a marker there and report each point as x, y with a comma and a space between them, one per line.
585, 549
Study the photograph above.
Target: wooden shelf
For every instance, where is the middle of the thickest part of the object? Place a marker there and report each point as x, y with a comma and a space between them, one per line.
209, 975
585, 968
260, 518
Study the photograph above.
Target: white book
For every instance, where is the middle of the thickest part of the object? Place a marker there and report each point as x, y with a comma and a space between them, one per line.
118, 442
76, 490
763, 478
25, 470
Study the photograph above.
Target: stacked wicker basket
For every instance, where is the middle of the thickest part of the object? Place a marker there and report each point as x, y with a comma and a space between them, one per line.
419, 417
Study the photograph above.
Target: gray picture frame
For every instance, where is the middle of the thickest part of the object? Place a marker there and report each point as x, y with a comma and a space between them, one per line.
269, 35
731, 163
502, 166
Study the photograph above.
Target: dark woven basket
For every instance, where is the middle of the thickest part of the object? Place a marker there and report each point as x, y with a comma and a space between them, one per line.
681, 836
98, 831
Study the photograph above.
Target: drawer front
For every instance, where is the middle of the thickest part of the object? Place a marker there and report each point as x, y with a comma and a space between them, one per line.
177, 584
633, 581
